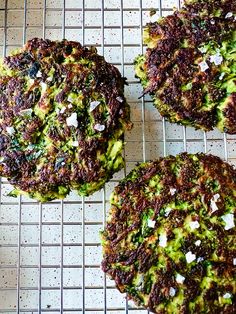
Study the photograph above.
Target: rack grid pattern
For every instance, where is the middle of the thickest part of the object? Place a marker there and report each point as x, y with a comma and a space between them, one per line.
50, 253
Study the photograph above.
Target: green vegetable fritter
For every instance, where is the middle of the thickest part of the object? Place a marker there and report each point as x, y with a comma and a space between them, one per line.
170, 238
189, 67
62, 119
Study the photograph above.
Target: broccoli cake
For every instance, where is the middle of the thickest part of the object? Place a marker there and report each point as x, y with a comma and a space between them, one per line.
170, 238
189, 67
62, 119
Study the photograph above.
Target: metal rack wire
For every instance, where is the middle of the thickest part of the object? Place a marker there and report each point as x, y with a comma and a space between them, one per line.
50, 253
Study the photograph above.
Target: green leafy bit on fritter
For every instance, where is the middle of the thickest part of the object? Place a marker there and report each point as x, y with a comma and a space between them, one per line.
170, 238
189, 67
62, 119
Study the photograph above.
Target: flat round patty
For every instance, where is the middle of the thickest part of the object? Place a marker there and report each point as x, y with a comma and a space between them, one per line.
170, 238
189, 67
62, 119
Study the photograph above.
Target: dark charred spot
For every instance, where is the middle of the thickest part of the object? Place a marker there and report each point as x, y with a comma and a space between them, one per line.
217, 94
212, 294
55, 135
4, 142
36, 94
60, 59
19, 101
60, 96
30, 129
33, 70
68, 49
122, 277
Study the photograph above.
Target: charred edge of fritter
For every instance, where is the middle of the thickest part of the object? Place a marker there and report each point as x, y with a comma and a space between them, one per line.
170, 33
227, 114
191, 166
56, 179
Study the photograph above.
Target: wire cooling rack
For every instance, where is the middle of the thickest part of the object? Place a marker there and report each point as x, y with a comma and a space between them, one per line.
50, 253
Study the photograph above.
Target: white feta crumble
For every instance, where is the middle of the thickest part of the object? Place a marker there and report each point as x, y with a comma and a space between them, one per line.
43, 86
57, 110
99, 127
72, 120
94, 105
194, 225
26, 111
229, 15
70, 106
140, 281
75, 143
63, 109
10, 130
200, 259
172, 292
216, 197
39, 74
163, 240
229, 221
172, 191
217, 59
212, 22
190, 257
120, 99
49, 79
227, 295
63, 163
151, 223
203, 66
198, 242
179, 278
221, 76
203, 199
203, 49
167, 211
70, 98
213, 205
31, 81
234, 261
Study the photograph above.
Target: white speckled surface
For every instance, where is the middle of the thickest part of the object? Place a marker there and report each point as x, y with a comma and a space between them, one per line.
64, 237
